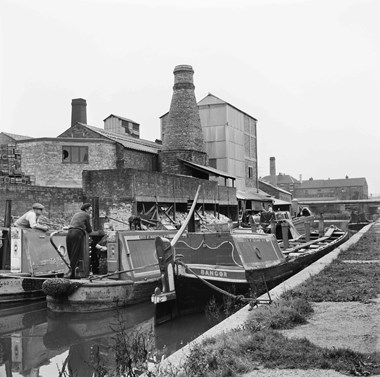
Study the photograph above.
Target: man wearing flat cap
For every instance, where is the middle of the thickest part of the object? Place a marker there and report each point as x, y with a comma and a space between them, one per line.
79, 228
30, 218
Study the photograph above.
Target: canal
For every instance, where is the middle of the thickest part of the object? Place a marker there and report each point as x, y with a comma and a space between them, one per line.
37, 343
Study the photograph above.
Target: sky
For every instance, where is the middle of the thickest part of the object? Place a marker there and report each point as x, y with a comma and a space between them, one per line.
307, 70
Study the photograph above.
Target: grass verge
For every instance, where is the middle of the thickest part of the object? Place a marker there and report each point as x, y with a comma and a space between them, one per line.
257, 344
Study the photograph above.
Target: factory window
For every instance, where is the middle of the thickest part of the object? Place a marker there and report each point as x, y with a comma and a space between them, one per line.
250, 172
74, 155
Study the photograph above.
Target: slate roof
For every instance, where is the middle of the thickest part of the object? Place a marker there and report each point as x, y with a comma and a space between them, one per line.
329, 183
260, 196
281, 178
275, 187
208, 169
127, 141
16, 137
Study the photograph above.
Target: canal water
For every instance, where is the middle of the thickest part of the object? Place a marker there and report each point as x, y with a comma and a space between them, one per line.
37, 343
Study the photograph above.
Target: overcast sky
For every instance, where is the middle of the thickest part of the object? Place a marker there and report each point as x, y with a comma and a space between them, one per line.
307, 70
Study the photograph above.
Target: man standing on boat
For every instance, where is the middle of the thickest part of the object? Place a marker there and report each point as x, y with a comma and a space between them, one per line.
79, 228
30, 218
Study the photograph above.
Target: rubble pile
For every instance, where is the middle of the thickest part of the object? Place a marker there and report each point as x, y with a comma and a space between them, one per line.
207, 219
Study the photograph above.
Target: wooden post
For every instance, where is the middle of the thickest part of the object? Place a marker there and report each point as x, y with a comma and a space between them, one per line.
95, 214
8, 213
272, 226
203, 203
253, 224
307, 231
191, 225
6, 257
174, 203
321, 226
285, 238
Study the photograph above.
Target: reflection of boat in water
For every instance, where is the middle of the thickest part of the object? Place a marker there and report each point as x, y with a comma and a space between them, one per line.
65, 329
132, 274
21, 342
30, 338
21, 317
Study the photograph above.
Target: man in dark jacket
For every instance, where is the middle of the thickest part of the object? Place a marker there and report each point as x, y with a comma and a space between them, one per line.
78, 231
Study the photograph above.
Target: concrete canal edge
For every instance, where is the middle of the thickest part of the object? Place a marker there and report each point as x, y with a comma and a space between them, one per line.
240, 317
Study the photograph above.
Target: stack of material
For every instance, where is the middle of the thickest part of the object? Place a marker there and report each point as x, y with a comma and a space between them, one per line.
10, 166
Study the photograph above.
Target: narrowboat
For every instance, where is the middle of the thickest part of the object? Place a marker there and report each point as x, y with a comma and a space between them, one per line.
132, 273
237, 263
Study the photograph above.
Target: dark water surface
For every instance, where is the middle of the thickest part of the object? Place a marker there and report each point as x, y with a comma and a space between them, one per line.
36, 343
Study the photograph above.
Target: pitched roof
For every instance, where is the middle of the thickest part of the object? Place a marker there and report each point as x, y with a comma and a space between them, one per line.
127, 141
16, 137
259, 196
325, 183
208, 169
122, 118
281, 178
215, 100
212, 99
275, 187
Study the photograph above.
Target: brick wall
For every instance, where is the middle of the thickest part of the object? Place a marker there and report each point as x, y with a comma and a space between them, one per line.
127, 185
59, 202
169, 161
140, 160
43, 159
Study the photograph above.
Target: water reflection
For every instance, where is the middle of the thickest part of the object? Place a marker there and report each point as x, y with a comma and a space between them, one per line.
37, 343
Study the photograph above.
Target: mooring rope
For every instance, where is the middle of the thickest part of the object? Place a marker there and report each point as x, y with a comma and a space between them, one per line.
27, 277
220, 290
98, 277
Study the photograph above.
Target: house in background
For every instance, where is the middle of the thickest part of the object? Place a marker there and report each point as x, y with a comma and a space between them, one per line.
332, 189
283, 181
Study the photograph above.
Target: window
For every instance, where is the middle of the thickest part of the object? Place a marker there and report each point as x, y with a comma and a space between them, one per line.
250, 172
74, 155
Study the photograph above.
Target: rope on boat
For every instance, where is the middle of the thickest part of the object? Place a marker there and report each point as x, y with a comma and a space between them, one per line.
251, 301
98, 277
23, 277
204, 244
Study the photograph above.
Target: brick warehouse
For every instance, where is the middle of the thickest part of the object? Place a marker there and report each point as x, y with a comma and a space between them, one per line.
82, 152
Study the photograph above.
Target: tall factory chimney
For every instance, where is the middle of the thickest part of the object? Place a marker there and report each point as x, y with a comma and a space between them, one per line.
78, 111
272, 170
183, 132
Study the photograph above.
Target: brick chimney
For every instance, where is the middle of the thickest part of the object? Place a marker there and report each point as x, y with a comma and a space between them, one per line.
183, 131
78, 111
272, 170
